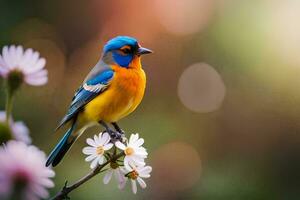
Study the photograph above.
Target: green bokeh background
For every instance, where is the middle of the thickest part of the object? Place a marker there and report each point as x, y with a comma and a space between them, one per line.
247, 149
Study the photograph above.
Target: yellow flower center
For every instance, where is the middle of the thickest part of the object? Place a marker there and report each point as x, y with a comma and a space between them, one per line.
133, 175
100, 150
129, 151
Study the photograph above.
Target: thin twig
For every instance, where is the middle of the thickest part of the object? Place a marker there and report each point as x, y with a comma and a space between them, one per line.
63, 194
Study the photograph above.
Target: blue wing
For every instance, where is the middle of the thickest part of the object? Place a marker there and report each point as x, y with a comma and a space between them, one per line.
92, 87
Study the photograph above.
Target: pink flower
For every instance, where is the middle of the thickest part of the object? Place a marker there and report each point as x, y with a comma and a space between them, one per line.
27, 65
23, 167
19, 129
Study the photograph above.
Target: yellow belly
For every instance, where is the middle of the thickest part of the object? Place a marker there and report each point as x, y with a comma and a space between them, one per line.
124, 94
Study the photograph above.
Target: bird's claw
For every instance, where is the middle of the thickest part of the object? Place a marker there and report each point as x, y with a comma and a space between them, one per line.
116, 136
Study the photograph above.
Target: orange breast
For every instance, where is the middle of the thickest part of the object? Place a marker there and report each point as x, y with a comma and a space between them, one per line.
124, 94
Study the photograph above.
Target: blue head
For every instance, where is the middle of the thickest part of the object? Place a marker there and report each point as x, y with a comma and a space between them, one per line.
123, 50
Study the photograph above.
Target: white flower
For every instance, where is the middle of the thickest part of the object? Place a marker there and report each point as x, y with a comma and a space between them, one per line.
136, 174
23, 167
97, 148
27, 65
135, 154
19, 129
116, 170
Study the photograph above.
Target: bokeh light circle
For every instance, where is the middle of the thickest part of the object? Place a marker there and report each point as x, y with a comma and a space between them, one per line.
201, 88
184, 17
284, 29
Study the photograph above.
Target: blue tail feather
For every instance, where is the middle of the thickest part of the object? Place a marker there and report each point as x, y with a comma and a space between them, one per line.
61, 148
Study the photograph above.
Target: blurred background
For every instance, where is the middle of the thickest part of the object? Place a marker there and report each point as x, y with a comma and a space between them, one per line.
221, 112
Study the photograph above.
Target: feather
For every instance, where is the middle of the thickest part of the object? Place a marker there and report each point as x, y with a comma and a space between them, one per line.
94, 85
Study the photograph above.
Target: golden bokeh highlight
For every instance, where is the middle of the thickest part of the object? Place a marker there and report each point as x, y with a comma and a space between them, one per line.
284, 30
201, 88
184, 17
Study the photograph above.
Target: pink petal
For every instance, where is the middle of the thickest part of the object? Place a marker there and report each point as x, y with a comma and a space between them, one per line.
26, 57
36, 81
7, 57
37, 66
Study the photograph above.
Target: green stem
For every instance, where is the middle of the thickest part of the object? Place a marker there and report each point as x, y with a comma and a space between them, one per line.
63, 194
9, 103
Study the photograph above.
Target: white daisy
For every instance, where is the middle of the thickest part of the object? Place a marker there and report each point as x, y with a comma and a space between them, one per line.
136, 175
116, 170
97, 148
18, 129
135, 154
23, 167
27, 66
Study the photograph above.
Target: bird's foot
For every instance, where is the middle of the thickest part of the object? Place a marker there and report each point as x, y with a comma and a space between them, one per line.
115, 135
123, 138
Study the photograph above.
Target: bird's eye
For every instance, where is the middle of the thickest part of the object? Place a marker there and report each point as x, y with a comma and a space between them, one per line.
125, 49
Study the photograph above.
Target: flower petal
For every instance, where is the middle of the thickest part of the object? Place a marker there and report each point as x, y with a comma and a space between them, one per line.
105, 138
122, 184
21, 132
137, 161
144, 170
100, 160
46, 182
126, 164
141, 182
96, 140
107, 176
108, 146
91, 142
36, 81
7, 57
94, 163
26, 57
90, 157
40, 64
120, 178
133, 186
140, 152
89, 150
138, 143
133, 138
120, 145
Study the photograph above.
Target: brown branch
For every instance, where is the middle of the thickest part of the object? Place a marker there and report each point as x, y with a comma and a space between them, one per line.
63, 194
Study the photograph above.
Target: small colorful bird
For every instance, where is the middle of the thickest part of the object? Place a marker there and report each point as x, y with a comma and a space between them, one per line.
112, 90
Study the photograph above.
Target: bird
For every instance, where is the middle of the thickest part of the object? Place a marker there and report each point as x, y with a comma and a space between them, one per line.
112, 90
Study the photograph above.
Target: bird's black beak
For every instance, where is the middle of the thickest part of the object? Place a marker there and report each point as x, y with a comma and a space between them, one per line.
143, 50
